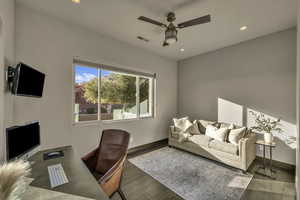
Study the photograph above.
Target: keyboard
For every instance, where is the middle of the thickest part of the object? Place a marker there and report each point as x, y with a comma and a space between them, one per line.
57, 175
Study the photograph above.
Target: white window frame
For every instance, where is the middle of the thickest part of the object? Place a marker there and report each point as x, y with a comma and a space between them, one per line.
138, 75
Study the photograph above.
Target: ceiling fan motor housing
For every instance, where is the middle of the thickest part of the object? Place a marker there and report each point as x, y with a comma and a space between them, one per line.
171, 17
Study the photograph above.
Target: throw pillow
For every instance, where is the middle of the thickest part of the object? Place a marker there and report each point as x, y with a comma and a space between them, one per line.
183, 123
194, 129
204, 123
235, 135
215, 133
232, 126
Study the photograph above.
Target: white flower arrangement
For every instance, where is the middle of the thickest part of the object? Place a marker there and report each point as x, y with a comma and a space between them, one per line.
265, 124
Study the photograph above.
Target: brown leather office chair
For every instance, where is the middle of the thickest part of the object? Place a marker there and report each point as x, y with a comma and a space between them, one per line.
106, 162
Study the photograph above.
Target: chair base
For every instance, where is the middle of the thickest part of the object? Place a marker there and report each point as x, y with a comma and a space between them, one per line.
120, 192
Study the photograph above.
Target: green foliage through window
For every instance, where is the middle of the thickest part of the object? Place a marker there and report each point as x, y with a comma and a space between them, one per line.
118, 94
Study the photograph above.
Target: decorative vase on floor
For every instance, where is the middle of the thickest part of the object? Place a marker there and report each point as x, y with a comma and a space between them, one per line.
268, 137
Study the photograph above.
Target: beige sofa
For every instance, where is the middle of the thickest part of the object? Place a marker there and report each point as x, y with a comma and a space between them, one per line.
239, 156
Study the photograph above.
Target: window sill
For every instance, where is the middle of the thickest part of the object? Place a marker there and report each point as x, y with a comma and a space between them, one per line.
86, 123
98, 122
125, 120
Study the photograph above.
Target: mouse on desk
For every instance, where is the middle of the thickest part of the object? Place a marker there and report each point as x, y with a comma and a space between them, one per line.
54, 154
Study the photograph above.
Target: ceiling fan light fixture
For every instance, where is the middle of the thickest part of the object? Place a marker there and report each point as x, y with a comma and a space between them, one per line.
171, 36
171, 40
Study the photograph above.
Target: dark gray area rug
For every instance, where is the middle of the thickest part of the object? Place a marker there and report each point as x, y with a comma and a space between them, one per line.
193, 177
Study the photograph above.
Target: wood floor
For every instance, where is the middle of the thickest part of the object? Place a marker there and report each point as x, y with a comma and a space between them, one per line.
264, 188
137, 185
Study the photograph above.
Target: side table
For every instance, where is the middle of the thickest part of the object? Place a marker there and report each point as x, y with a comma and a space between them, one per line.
270, 146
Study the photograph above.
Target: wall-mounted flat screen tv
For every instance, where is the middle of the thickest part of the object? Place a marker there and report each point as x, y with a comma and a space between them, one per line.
28, 81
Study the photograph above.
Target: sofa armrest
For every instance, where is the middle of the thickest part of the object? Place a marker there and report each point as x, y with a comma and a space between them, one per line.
247, 150
171, 131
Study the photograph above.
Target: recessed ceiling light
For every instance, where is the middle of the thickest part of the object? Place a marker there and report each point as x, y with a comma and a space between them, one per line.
243, 28
182, 49
76, 1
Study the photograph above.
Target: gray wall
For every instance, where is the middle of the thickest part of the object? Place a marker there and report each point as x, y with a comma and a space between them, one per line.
259, 74
50, 45
7, 57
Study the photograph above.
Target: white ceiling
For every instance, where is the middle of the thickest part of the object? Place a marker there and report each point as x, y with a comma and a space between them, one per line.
118, 19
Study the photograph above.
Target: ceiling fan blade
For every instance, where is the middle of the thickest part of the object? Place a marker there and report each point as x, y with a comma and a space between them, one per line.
146, 19
200, 20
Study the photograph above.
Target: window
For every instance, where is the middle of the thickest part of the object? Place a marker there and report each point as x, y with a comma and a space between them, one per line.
145, 97
109, 93
86, 93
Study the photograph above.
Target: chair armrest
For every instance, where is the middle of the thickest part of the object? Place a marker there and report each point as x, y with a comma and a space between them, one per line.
91, 159
112, 171
247, 149
110, 182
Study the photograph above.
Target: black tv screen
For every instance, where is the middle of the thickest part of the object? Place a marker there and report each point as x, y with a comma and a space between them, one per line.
28, 81
22, 139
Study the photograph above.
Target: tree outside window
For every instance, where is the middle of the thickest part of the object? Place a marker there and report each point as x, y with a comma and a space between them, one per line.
118, 95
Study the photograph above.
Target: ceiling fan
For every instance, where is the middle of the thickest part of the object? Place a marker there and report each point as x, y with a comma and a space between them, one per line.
171, 29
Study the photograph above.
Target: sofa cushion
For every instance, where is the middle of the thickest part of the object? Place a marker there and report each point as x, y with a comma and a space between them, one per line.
201, 140
183, 123
204, 123
224, 147
215, 133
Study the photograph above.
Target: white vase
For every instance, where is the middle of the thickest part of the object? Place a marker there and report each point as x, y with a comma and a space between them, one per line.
268, 137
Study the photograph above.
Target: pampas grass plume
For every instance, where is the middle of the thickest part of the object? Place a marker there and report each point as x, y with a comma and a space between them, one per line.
13, 179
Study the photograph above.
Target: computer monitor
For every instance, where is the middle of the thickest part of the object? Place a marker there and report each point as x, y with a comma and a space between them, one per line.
22, 141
